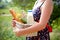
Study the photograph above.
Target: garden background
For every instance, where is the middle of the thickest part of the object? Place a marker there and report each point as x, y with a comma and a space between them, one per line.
6, 32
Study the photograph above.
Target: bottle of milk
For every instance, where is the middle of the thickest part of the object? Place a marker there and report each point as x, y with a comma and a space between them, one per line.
30, 20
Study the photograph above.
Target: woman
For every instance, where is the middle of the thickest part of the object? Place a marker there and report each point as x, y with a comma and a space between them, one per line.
42, 11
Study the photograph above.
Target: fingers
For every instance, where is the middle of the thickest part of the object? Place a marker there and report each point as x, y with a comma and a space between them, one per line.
13, 23
19, 25
16, 24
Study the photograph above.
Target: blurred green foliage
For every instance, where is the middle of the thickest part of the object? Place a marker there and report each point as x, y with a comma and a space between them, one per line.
6, 32
24, 4
56, 12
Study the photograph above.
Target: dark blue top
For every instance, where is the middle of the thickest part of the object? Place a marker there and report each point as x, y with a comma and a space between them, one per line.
36, 13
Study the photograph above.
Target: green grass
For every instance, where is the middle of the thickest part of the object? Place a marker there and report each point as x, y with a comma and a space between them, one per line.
6, 11
6, 32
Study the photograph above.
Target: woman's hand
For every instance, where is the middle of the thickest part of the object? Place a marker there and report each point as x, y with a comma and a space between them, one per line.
18, 27
17, 31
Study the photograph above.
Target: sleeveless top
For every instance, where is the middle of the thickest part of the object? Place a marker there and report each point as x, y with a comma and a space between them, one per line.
37, 13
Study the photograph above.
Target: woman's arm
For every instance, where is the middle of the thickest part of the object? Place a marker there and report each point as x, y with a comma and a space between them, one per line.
46, 11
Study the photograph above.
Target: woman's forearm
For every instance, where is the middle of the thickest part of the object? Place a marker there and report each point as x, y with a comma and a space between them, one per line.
32, 29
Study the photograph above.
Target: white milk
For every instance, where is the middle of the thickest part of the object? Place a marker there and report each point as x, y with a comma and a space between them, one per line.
30, 20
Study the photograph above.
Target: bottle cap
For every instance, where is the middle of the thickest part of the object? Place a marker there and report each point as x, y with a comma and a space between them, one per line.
29, 10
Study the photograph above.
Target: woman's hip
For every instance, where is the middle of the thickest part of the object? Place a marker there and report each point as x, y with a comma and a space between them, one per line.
41, 35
